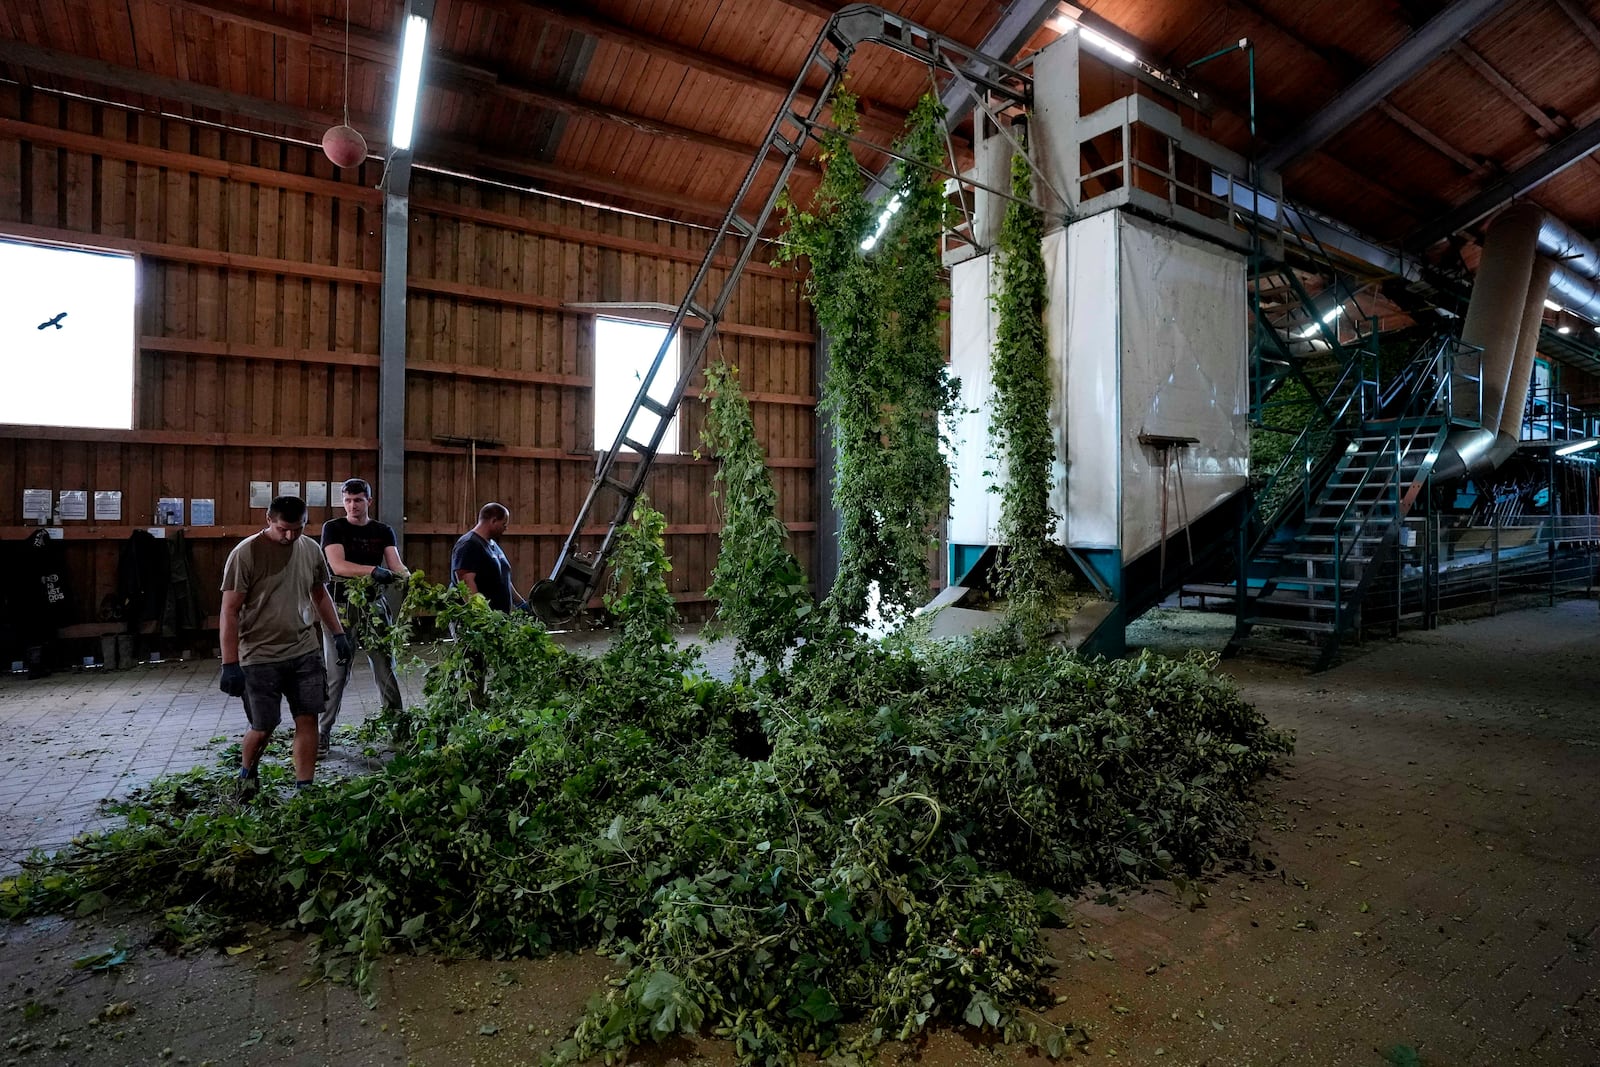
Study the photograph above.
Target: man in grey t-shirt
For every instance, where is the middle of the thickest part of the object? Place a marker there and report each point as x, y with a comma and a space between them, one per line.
274, 589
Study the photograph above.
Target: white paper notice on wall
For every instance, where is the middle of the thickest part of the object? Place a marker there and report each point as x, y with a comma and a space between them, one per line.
107, 505
202, 512
73, 503
260, 494
316, 494
36, 504
288, 488
169, 511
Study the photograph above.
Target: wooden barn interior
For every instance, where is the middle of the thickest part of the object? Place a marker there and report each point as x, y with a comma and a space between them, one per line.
426, 318
569, 156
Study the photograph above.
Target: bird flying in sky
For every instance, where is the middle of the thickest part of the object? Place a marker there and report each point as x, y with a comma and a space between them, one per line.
56, 322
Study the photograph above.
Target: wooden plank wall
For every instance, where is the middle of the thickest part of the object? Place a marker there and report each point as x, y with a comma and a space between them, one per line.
495, 353
258, 271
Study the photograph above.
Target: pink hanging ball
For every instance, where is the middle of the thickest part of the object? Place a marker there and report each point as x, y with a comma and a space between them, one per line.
344, 145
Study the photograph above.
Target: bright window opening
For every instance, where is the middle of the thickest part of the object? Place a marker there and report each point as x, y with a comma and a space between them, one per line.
623, 352
66, 337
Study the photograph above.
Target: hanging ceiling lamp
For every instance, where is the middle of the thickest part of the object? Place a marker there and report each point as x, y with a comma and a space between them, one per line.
343, 144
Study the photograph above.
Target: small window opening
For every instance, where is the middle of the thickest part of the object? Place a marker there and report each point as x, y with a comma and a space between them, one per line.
623, 352
66, 336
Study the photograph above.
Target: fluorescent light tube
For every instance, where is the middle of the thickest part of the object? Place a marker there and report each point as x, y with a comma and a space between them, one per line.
1106, 45
1577, 446
883, 223
1327, 319
410, 80
1553, 306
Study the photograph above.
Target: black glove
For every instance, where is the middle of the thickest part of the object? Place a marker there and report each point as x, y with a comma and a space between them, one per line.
383, 575
232, 679
344, 651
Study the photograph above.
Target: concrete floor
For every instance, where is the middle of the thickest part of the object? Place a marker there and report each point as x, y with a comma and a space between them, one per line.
1433, 896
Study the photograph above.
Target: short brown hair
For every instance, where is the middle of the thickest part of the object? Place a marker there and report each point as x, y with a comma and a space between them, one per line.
490, 512
287, 508
356, 487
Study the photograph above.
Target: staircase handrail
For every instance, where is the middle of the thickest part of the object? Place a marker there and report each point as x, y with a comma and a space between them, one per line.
1353, 386
1430, 394
1321, 255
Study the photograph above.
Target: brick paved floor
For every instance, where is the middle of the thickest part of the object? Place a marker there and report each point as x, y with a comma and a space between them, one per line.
73, 739
1435, 887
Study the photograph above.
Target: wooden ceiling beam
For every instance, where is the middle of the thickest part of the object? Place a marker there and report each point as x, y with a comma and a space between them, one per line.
449, 71
1573, 148
445, 69
536, 97
885, 118
1396, 68
602, 29
450, 156
1581, 19
1348, 72
1548, 126
461, 155
1429, 138
158, 87
247, 15
816, 8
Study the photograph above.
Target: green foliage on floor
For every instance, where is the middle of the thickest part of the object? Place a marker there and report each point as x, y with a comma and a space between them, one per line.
874, 843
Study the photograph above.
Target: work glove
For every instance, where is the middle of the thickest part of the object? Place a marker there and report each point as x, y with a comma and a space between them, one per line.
232, 679
344, 651
383, 575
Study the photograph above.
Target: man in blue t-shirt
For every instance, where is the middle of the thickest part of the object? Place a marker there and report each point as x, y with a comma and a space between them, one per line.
477, 562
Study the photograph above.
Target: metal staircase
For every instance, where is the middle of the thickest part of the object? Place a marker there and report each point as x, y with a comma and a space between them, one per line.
1318, 554
617, 486
1299, 299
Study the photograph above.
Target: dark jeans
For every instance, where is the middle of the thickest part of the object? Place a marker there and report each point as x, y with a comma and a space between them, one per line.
303, 680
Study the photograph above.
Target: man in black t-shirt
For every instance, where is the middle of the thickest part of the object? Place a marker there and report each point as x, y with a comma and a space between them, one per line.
358, 546
477, 562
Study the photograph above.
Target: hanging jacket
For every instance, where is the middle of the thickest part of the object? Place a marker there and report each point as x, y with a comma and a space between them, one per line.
182, 608
143, 574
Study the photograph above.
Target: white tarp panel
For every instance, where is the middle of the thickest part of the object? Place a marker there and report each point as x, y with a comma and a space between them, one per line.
974, 510
1054, 250
1086, 317
1183, 354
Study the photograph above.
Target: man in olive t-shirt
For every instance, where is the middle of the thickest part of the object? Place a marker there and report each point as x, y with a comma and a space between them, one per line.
274, 588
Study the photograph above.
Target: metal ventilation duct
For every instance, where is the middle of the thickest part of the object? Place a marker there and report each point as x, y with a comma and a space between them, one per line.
1575, 281
1503, 320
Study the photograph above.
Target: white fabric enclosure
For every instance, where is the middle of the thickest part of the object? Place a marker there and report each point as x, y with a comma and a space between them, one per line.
1184, 355
1147, 334
974, 511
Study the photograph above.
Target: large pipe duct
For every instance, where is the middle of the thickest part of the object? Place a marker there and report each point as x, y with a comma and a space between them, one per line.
1573, 282
1522, 364
1494, 323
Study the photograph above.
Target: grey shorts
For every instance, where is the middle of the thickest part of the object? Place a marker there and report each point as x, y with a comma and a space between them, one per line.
304, 680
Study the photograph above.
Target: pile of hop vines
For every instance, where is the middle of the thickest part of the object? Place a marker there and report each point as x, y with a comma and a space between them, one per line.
864, 843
